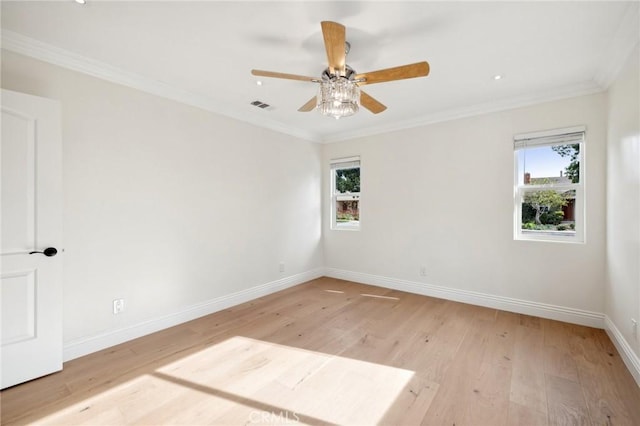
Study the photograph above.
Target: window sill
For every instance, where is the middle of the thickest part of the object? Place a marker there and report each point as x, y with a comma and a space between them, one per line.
345, 228
548, 237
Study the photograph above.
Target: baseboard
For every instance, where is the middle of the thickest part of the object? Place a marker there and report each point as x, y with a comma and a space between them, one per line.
87, 345
84, 346
629, 357
560, 313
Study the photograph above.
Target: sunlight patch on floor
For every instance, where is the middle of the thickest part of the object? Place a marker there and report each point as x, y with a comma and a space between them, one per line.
248, 381
376, 296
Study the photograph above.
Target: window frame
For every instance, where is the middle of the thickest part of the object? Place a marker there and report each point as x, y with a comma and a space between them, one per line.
348, 163
537, 140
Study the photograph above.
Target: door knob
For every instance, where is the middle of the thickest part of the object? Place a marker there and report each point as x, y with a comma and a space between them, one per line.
49, 251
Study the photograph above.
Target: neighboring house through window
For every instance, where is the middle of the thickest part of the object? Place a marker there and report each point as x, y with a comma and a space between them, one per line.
549, 185
345, 193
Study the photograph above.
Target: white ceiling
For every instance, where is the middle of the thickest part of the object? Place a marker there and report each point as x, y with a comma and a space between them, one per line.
202, 53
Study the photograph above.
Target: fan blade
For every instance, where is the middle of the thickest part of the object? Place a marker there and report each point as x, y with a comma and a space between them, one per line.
273, 74
334, 43
309, 106
420, 69
371, 103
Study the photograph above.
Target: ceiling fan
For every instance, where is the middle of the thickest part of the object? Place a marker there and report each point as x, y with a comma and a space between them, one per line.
339, 94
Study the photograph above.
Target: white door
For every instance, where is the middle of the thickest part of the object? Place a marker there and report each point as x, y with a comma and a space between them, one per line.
31, 284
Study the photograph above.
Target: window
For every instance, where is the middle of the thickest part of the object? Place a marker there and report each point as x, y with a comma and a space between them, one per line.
549, 185
345, 193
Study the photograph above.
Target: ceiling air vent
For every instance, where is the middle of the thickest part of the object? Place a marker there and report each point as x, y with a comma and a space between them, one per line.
260, 104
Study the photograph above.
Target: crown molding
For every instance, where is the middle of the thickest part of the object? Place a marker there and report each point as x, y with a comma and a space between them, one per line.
564, 92
624, 41
36, 49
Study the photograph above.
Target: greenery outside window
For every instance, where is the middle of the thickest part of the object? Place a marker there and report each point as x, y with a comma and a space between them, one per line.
345, 193
549, 185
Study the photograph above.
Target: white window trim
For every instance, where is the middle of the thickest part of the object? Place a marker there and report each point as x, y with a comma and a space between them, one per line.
550, 138
549, 133
336, 164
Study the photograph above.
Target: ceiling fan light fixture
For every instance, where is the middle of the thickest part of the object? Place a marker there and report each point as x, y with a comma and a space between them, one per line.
339, 92
338, 97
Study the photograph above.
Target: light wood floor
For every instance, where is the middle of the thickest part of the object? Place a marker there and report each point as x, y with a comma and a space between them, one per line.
336, 352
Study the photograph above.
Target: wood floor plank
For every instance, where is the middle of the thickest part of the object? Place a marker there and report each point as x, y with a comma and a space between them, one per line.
618, 376
523, 415
566, 403
529, 321
556, 334
559, 362
475, 389
413, 402
527, 378
336, 352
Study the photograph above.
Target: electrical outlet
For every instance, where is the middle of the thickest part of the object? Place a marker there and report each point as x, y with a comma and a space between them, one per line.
423, 271
634, 328
281, 266
118, 306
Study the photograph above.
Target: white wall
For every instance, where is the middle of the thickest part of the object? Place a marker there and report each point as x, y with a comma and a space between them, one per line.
623, 203
442, 196
169, 206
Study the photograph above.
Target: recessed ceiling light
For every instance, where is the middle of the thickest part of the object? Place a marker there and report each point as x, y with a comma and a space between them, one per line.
81, 1
259, 83
498, 77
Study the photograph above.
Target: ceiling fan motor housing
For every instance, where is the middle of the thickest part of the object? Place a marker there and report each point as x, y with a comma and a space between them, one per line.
349, 74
